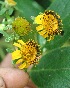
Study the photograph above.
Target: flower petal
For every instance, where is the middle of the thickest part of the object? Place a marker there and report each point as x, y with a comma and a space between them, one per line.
17, 45
22, 65
39, 28
42, 32
38, 19
51, 38
21, 42
19, 61
45, 35
16, 54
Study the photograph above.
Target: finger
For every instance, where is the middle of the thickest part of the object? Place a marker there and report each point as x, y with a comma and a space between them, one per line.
2, 83
30, 85
7, 62
27, 87
14, 78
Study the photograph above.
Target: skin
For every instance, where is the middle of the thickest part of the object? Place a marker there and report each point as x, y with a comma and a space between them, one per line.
11, 77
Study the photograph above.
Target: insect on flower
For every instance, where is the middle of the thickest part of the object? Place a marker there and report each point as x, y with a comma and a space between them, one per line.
49, 24
27, 53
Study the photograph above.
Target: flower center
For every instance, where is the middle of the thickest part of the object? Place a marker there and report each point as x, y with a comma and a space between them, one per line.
29, 52
50, 22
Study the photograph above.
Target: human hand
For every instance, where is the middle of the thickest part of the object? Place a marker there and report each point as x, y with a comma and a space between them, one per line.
11, 77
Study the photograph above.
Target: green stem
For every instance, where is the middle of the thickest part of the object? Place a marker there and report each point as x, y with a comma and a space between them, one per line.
2, 54
4, 33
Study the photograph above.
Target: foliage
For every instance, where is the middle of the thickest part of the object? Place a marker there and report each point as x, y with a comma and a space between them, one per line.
53, 70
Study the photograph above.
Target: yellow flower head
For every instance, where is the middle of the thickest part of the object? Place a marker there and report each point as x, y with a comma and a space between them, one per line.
10, 2
21, 26
27, 53
49, 23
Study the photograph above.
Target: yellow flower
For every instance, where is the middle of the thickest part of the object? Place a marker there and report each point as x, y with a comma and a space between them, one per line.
49, 23
26, 54
10, 2
21, 26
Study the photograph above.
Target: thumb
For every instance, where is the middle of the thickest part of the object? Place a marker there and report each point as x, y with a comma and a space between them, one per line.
14, 78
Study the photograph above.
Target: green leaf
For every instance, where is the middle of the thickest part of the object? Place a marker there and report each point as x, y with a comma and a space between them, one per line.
2, 53
4, 33
28, 8
2, 11
10, 11
53, 70
2, 3
61, 7
9, 50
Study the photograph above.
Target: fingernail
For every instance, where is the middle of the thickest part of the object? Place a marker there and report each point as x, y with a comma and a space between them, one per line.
2, 83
